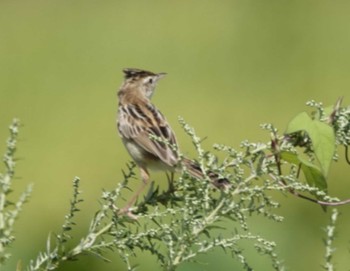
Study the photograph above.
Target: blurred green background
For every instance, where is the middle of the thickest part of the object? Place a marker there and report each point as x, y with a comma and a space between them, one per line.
231, 66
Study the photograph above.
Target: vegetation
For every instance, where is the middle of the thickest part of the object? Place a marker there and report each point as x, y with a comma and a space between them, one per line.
191, 217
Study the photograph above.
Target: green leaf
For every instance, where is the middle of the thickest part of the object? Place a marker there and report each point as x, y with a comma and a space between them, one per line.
312, 173
298, 123
290, 157
323, 140
321, 135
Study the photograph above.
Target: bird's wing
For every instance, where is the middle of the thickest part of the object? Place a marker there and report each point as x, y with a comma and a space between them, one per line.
141, 122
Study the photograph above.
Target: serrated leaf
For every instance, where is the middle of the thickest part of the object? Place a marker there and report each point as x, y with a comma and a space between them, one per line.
321, 135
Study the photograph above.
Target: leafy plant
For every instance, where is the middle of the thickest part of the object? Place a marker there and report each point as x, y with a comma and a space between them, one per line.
9, 209
191, 217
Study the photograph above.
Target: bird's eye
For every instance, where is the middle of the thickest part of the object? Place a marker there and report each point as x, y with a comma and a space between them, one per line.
150, 80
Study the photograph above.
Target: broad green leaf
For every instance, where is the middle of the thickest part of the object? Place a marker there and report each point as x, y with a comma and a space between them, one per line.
299, 123
312, 173
314, 177
321, 135
323, 140
290, 157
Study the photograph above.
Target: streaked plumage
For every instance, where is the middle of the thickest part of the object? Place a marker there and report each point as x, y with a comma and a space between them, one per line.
139, 120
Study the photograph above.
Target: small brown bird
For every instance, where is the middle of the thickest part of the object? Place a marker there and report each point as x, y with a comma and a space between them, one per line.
139, 120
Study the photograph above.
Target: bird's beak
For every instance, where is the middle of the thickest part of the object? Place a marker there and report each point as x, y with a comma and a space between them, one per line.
160, 75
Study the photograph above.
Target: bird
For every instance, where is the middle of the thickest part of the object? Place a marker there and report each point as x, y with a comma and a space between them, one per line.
147, 135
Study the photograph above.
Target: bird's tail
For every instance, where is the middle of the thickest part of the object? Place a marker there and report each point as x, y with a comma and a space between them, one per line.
195, 170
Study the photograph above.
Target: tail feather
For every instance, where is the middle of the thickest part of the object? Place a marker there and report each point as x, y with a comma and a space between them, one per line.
195, 170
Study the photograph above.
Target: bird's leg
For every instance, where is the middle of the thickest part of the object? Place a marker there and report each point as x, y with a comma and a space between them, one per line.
126, 210
171, 187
